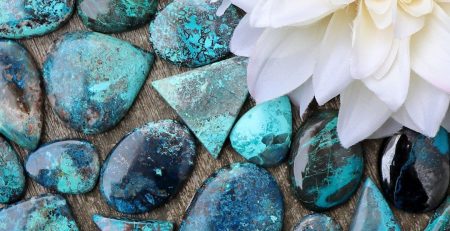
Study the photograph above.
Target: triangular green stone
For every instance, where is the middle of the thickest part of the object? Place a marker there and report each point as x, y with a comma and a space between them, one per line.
208, 99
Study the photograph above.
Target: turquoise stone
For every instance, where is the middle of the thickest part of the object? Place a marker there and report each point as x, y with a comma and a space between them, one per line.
21, 95
113, 224
67, 166
317, 222
189, 33
208, 99
241, 196
93, 79
441, 219
263, 134
323, 173
112, 16
46, 212
372, 211
28, 18
12, 178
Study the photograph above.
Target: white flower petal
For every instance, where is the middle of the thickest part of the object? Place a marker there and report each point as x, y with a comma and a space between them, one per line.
407, 25
417, 8
223, 7
245, 5
382, 12
302, 96
244, 38
389, 128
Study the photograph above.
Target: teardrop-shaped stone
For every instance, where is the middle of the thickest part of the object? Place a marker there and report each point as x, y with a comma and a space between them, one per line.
415, 170
114, 224
68, 166
189, 32
112, 16
441, 219
263, 134
317, 222
323, 173
28, 18
148, 167
372, 211
93, 79
242, 196
12, 177
21, 95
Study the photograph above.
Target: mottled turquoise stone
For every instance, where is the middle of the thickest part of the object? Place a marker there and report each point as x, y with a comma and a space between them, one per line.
263, 134
93, 79
317, 222
20, 94
46, 212
28, 18
323, 173
67, 166
114, 224
441, 219
241, 197
208, 99
12, 177
189, 33
372, 211
112, 16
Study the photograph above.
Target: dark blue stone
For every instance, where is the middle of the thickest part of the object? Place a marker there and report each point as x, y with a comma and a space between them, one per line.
113, 224
317, 222
68, 166
148, 167
12, 177
415, 170
242, 197
45, 212
441, 219
323, 173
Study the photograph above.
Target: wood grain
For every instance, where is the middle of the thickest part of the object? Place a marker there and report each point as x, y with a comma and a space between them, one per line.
150, 107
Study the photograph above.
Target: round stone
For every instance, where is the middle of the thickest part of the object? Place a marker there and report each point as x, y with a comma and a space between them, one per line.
68, 166
148, 167
415, 170
12, 178
189, 32
323, 173
120, 224
317, 222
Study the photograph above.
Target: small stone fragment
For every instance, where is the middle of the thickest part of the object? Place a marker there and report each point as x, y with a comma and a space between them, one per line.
113, 224
441, 219
12, 177
317, 222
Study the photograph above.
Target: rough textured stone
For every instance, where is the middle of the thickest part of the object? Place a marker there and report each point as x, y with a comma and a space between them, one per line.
12, 177
441, 219
317, 222
113, 224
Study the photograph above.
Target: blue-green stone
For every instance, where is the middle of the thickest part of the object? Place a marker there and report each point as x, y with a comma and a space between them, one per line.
189, 33
28, 18
208, 99
93, 79
263, 134
241, 196
112, 16
372, 211
46, 212
323, 173
317, 222
114, 224
67, 166
12, 178
441, 219
20, 94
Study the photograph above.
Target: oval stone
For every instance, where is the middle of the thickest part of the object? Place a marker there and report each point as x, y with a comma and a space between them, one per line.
112, 16
415, 170
28, 18
441, 219
148, 167
189, 33
323, 173
242, 196
92, 79
317, 222
12, 178
115, 224
263, 134
21, 95
68, 166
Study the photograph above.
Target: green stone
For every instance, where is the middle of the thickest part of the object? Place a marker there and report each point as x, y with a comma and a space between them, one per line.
12, 177
114, 224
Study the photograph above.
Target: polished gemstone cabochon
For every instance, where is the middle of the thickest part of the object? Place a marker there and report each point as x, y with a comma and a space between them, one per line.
317, 222
12, 177
114, 224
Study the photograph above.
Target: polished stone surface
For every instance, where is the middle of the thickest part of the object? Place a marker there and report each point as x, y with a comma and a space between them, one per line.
113, 16
21, 95
372, 211
317, 222
242, 196
189, 33
415, 170
114, 224
28, 18
46, 212
263, 134
441, 219
93, 79
148, 167
12, 177
67, 166
208, 99
323, 173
